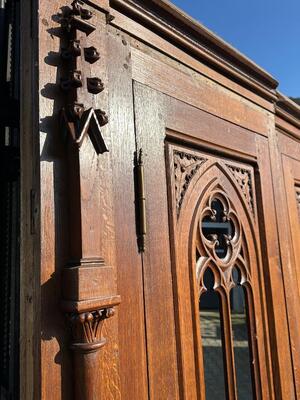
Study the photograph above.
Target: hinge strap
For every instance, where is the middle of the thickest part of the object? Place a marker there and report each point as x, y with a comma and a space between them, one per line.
140, 202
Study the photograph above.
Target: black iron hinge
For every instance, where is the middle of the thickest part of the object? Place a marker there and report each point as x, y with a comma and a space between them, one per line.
140, 202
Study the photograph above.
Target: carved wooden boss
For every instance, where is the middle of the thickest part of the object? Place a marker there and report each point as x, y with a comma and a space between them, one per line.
88, 297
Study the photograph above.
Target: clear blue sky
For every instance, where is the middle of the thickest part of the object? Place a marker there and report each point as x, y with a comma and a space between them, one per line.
267, 31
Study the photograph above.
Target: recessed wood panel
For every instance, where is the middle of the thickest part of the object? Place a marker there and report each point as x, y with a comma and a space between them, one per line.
198, 91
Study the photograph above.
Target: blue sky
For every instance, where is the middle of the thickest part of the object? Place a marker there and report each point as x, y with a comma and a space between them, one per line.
267, 31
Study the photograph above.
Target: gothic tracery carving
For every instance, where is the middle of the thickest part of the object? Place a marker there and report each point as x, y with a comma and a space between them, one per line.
223, 244
243, 178
185, 167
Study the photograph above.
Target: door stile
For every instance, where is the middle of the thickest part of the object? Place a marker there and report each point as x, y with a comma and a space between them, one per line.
287, 265
158, 290
283, 381
131, 316
290, 173
191, 368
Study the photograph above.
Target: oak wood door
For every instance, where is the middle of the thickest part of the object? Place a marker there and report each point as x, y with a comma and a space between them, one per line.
204, 281
286, 164
291, 170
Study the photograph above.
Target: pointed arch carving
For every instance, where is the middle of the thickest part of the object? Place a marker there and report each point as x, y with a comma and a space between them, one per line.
231, 184
244, 179
185, 167
219, 221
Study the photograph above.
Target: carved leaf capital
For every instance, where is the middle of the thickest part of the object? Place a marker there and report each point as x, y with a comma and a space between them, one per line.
87, 329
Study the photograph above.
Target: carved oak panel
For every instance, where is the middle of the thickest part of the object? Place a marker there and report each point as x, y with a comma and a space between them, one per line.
217, 271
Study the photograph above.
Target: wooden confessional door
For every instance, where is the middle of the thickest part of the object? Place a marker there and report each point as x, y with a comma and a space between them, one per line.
287, 191
291, 171
205, 309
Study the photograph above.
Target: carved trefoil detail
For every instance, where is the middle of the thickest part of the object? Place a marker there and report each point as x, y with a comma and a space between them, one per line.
185, 167
244, 180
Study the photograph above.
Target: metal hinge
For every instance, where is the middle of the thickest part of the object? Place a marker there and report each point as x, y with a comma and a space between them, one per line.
140, 201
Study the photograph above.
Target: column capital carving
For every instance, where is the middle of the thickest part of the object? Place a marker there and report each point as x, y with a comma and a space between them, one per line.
87, 329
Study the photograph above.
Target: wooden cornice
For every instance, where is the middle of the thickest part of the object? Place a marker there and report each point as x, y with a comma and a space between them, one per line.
287, 115
171, 23
288, 109
168, 21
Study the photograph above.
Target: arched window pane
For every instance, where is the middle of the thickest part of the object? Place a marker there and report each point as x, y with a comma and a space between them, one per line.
212, 342
239, 321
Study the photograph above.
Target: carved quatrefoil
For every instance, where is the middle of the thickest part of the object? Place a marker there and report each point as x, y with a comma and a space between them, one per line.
220, 229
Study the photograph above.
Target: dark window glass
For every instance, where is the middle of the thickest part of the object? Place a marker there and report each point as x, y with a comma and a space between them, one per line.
239, 321
212, 340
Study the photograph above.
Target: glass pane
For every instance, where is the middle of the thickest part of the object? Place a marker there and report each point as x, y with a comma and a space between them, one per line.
240, 339
211, 333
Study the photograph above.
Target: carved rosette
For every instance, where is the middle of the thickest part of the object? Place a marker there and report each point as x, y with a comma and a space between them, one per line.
243, 178
186, 166
87, 329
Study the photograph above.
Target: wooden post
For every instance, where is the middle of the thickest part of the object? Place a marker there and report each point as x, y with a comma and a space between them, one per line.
88, 283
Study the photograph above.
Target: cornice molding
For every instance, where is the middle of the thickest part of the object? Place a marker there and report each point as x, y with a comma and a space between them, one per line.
171, 23
288, 110
168, 21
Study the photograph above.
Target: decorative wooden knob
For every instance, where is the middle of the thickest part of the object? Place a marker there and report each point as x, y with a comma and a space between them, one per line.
91, 54
102, 117
77, 9
95, 85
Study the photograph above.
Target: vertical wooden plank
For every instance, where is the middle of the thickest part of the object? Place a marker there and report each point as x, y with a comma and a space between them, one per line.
159, 307
276, 304
291, 171
96, 211
55, 365
287, 256
30, 210
133, 360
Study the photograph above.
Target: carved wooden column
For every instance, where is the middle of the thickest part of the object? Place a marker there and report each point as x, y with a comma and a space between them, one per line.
89, 294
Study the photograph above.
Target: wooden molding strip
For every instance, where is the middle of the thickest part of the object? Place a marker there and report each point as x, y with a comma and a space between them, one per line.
287, 115
200, 42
